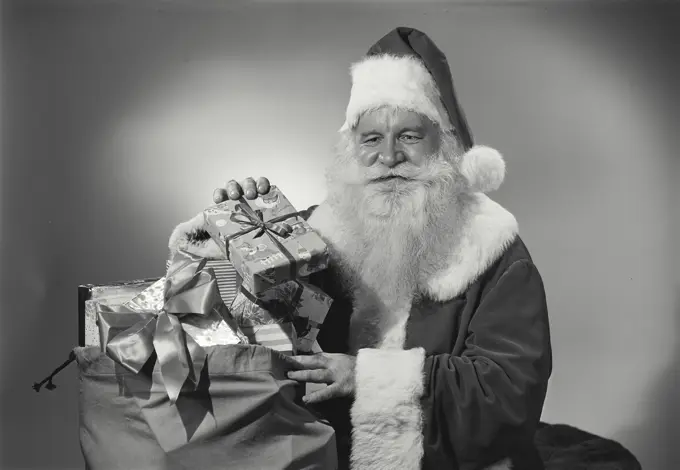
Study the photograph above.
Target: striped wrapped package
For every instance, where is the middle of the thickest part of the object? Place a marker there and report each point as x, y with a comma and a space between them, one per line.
228, 280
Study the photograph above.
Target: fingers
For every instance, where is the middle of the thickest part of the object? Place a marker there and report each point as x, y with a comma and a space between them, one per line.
263, 185
234, 190
313, 369
326, 393
220, 195
318, 376
249, 188
312, 361
294, 364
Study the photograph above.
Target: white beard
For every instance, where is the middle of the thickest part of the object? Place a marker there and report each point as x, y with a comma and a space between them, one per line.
396, 236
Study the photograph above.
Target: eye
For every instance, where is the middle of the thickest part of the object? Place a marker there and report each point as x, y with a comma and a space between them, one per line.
372, 140
410, 138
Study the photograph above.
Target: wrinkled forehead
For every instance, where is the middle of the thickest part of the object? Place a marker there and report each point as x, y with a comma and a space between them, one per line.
387, 118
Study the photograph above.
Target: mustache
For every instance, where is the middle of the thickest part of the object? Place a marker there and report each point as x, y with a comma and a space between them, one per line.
403, 171
434, 170
437, 168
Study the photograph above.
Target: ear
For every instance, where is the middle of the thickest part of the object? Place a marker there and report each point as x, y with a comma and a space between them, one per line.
484, 168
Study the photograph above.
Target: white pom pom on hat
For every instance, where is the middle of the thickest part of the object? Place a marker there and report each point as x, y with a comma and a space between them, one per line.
483, 167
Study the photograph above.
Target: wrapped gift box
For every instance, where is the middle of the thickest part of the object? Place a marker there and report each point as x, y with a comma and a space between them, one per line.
117, 293
265, 239
267, 319
112, 294
286, 317
228, 280
310, 311
174, 320
211, 330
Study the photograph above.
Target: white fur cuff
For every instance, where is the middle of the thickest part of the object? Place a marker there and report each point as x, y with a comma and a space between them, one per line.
181, 240
386, 414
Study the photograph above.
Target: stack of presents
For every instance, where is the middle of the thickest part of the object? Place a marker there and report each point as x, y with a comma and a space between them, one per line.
189, 370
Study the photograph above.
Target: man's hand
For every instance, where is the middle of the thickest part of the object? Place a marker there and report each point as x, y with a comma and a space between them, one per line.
248, 188
336, 370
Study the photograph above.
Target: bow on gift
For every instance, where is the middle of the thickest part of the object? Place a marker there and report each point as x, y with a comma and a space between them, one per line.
243, 214
189, 290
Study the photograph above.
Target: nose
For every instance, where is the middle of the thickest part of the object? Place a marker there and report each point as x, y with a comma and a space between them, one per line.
390, 155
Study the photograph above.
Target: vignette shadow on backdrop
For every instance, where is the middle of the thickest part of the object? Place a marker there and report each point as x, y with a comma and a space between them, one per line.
74, 72
654, 439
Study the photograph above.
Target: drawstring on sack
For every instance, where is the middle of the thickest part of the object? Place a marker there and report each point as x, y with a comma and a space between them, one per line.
48, 379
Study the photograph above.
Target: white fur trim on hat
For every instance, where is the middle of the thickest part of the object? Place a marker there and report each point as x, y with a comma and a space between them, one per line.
398, 81
483, 168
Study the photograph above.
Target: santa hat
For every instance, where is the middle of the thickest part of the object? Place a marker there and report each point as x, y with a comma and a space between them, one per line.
405, 69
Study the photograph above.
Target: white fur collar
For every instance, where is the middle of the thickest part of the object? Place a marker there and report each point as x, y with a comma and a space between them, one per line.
486, 232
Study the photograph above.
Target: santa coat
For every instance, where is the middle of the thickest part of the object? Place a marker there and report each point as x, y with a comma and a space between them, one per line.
456, 380
460, 383
461, 380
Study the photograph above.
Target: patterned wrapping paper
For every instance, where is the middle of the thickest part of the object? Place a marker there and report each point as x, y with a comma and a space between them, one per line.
211, 330
289, 248
310, 313
286, 317
150, 298
267, 319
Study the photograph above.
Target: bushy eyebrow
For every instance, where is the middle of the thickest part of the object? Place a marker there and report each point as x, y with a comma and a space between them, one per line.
369, 133
416, 129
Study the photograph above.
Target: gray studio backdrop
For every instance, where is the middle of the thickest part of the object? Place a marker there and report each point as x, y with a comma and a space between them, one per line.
120, 117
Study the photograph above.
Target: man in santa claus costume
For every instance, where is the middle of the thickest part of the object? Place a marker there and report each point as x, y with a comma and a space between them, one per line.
437, 348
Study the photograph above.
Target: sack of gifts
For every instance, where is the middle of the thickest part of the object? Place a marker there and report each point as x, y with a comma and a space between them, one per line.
176, 384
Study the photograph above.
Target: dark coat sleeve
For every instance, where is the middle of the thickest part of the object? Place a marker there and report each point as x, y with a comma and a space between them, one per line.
333, 338
485, 403
335, 330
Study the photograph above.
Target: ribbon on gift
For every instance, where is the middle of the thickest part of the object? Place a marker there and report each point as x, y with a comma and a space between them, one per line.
189, 290
244, 215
